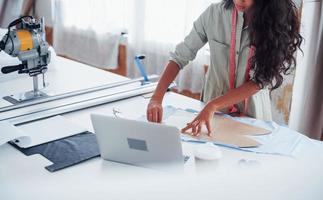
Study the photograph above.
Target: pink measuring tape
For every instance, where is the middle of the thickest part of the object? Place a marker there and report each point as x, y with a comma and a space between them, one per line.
232, 61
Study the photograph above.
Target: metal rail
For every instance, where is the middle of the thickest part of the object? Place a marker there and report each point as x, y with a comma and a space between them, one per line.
75, 93
63, 109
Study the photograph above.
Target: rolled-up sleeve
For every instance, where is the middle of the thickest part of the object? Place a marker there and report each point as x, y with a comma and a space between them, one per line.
186, 51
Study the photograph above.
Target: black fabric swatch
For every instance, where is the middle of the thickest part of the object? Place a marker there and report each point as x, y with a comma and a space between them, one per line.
66, 152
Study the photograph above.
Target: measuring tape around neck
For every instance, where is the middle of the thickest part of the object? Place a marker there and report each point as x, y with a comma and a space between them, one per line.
232, 61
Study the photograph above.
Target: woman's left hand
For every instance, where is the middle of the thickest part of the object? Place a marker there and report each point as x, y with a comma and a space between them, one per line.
204, 118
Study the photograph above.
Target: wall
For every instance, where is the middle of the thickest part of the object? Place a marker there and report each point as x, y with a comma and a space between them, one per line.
281, 100
306, 71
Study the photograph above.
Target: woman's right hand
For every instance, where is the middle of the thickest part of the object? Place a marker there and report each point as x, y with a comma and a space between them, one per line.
155, 111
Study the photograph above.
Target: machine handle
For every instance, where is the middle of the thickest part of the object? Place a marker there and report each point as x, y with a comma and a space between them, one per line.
14, 23
9, 69
19, 20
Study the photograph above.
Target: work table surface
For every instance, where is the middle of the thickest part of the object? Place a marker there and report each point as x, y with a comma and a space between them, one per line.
268, 177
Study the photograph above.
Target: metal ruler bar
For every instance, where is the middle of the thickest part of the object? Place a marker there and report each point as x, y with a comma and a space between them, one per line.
66, 101
75, 93
82, 105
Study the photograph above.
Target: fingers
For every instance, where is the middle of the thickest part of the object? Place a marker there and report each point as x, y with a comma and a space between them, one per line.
157, 115
154, 114
209, 128
199, 129
196, 128
150, 116
160, 115
188, 127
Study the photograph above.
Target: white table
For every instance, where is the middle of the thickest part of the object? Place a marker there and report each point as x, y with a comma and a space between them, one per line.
270, 177
64, 76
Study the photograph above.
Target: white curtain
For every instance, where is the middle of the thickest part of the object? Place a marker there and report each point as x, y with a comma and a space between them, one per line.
9, 11
90, 30
307, 105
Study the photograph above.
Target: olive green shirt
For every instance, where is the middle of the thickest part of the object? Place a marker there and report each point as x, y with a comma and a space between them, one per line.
214, 27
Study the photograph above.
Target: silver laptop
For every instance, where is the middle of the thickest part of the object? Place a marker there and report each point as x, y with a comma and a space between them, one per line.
138, 143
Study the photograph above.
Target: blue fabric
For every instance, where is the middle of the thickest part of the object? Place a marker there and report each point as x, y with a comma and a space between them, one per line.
66, 152
281, 141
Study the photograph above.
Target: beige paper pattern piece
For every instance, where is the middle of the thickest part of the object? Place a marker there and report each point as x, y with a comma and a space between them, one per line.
226, 130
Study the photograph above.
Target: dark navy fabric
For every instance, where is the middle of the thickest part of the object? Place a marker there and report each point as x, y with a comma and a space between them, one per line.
66, 152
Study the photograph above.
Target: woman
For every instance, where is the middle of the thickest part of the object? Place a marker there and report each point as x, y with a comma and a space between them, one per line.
252, 43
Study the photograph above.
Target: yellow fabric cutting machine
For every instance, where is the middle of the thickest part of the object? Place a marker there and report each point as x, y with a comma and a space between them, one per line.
26, 40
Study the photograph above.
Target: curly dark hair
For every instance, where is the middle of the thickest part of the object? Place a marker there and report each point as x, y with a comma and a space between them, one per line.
274, 32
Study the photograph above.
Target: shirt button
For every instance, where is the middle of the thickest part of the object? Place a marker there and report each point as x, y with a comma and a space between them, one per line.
237, 52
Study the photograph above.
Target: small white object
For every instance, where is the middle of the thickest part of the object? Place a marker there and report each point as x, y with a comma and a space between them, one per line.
9, 132
208, 152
